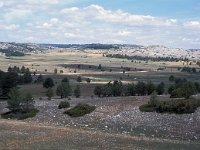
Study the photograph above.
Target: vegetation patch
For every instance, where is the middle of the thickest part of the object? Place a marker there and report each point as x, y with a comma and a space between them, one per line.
20, 115
147, 108
80, 110
178, 106
145, 58
20, 106
64, 104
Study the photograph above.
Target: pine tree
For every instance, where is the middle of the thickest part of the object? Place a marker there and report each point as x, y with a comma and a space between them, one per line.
50, 93
77, 91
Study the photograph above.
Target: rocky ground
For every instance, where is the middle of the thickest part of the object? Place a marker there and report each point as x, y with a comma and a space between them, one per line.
121, 116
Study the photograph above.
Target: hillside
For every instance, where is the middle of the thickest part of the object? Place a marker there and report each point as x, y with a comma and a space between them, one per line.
19, 49
159, 51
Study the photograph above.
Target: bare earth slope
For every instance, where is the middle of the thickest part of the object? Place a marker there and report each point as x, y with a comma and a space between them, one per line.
117, 123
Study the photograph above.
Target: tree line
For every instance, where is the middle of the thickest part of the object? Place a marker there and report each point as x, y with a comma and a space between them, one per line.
145, 58
64, 89
188, 69
117, 88
16, 76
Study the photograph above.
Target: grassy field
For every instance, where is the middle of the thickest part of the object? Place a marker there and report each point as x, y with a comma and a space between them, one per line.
121, 115
64, 61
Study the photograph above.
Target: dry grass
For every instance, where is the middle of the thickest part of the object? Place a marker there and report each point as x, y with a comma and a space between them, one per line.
21, 135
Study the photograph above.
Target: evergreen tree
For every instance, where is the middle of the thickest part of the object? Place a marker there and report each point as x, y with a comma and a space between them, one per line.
130, 90
79, 79
99, 67
48, 83
88, 80
27, 103
188, 89
49, 93
160, 88
153, 100
40, 79
65, 80
171, 78
55, 71
27, 78
141, 88
64, 90
150, 88
14, 100
9, 80
23, 69
98, 90
117, 88
77, 91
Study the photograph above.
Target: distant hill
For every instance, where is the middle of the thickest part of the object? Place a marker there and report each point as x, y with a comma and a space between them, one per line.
159, 51
20, 49
92, 46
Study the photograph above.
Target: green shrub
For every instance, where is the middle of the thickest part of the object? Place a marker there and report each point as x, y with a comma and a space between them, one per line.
64, 104
20, 115
153, 100
180, 106
80, 110
146, 108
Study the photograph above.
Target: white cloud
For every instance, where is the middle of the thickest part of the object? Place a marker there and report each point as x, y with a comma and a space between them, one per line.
12, 27
70, 35
9, 27
54, 20
1, 4
39, 2
124, 33
17, 13
41, 21
99, 13
192, 24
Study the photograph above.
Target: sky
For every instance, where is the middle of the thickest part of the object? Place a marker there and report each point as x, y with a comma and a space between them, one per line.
173, 23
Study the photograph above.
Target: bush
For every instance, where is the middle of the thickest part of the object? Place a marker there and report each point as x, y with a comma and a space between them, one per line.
88, 80
64, 104
20, 115
80, 110
146, 108
180, 106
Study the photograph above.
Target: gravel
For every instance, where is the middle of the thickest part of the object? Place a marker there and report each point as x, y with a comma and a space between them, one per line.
120, 115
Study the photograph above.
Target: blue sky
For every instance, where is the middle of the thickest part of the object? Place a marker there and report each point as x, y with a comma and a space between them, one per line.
162, 8
174, 23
